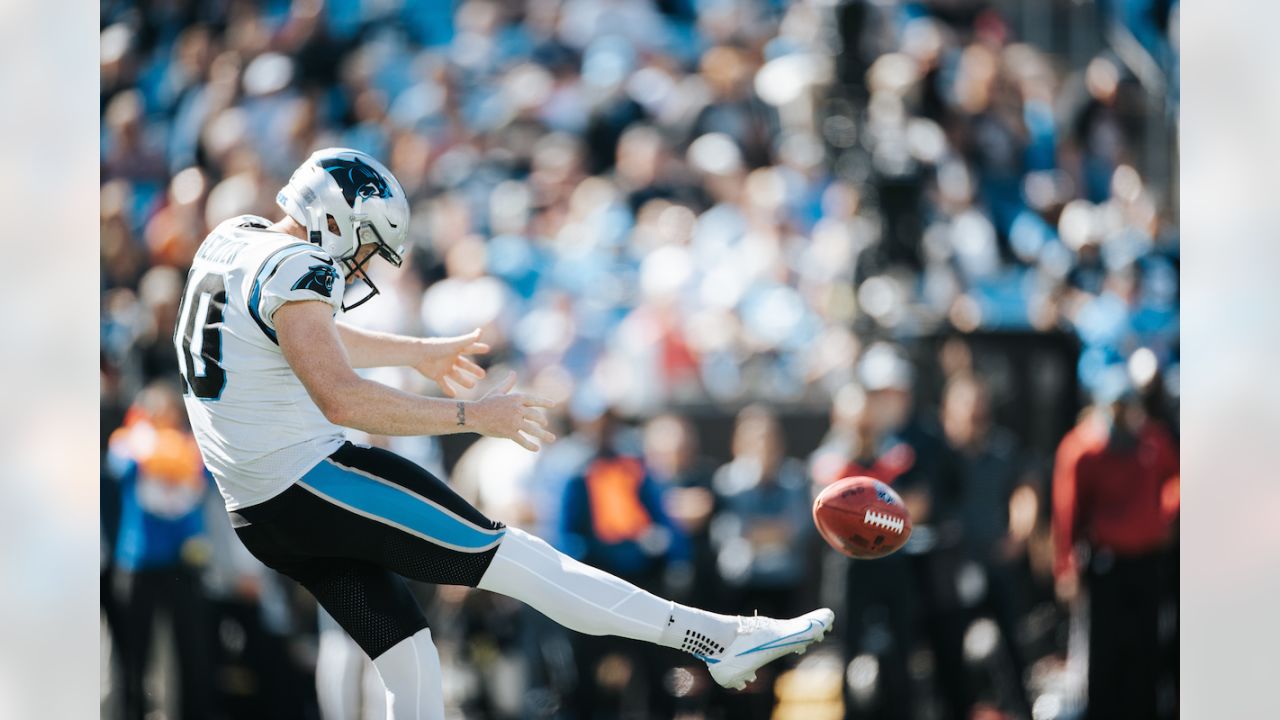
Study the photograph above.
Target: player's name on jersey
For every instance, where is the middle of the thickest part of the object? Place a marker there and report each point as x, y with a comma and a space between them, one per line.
220, 249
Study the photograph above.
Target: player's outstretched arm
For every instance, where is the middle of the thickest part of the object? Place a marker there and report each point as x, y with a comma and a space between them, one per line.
311, 344
443, 359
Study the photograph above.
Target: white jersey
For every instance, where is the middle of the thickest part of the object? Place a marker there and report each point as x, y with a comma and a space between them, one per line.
257, 427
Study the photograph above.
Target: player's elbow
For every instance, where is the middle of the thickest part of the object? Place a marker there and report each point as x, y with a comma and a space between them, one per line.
338, 405
336, 411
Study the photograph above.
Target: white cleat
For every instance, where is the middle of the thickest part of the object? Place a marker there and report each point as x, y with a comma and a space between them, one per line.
762, 640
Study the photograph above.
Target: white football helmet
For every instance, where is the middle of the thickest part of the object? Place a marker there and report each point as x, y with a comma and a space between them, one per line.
363, 200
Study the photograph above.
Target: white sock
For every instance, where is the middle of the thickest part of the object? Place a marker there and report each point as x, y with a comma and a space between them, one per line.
411, 672
594, 602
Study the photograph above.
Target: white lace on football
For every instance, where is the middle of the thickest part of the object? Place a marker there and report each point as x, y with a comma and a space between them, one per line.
885, 521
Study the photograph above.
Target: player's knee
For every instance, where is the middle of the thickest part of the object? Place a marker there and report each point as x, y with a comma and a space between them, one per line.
523, 545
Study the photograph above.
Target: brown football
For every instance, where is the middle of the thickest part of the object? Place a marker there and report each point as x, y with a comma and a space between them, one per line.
862, 518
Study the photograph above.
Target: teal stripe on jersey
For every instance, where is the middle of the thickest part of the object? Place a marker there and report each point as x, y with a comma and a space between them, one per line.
391, 504
255, 296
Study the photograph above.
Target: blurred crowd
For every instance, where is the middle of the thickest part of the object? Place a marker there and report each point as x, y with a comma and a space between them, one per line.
659, 210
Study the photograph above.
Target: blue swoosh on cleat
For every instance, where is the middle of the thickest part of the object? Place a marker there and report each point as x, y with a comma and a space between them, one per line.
777, 642
705, 659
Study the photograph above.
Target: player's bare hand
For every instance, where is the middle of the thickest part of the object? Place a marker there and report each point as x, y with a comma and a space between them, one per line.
517, 417
445, 361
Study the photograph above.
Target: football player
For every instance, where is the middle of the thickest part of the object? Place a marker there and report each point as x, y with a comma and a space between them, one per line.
269, 383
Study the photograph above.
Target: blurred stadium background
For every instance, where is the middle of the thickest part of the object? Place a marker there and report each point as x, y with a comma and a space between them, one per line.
752, 246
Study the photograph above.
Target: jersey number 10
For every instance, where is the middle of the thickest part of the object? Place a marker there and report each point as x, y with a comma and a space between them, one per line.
201, 352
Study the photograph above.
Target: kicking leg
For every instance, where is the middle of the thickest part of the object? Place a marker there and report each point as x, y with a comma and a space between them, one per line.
593, 602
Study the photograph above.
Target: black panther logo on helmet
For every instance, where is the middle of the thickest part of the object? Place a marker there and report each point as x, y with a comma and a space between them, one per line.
355, 176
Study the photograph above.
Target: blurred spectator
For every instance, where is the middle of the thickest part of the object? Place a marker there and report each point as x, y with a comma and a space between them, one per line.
1097, 129
879, 600
1114, 500
763, 525
671, 454
734, 109
998, 513
912, 594
131, 150
763, 530
152, 354
613, 518
160, 547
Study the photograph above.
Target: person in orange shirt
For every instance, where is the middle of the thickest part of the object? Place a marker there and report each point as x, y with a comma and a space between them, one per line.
161, 547
613, 517
1114, 505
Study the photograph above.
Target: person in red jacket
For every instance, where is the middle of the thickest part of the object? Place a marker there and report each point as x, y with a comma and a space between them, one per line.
1114, 503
